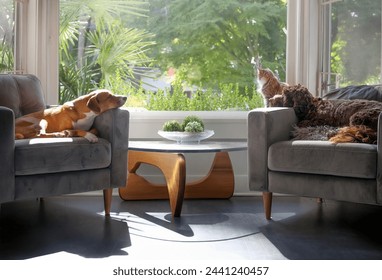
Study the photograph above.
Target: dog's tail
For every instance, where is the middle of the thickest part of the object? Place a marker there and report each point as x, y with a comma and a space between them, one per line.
355, 134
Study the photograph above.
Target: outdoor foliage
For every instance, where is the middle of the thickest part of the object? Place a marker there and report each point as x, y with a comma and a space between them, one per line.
94, 44
227, 97
356, 37
6, 36
208, 44
212, 42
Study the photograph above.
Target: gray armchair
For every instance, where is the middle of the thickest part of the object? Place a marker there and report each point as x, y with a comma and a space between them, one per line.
343, 172
42, 167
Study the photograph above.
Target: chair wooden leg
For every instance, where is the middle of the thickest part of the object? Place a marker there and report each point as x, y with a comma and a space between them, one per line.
267, 202
107, 195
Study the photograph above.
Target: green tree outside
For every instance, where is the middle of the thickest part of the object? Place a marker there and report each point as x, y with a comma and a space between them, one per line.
7, 36
356, 41
212, 42
95, 45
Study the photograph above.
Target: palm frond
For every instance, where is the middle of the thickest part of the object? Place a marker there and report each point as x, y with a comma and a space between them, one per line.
119, 49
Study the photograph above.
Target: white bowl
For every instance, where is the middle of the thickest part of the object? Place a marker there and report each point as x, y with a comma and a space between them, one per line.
182, 137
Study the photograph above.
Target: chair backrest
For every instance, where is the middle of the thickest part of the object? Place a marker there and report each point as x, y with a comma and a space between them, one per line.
21, 93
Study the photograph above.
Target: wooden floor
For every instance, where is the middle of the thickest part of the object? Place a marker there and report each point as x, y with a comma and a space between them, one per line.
75, 227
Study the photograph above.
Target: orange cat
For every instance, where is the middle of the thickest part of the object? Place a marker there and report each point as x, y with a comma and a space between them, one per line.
269, 84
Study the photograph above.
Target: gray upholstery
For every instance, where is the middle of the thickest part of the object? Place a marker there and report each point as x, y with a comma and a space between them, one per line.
41, 167
345, 172
47, 155
322, 157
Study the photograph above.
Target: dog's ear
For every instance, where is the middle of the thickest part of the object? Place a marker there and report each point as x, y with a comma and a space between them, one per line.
93, 104
300, 99
303, 102
302, 109
288, 98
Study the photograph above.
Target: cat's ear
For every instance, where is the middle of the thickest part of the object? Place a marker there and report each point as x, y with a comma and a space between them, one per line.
256, 62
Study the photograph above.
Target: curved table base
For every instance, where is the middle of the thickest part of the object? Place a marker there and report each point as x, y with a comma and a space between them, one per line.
219, 182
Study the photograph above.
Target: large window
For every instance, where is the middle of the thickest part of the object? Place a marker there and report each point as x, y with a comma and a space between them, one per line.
6, 35
171, 55
352, 43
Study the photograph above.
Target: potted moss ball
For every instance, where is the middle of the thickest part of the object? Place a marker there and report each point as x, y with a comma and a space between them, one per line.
190, 130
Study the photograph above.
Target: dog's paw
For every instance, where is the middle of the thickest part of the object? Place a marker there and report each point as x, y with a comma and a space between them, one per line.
64, 133
91, 137
19, 136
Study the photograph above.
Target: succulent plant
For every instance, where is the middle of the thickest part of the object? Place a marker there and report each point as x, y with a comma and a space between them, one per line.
192, 118
194, 127
172, 126
190, 124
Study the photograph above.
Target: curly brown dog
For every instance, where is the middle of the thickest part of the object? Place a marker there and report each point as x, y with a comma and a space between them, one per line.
358, 119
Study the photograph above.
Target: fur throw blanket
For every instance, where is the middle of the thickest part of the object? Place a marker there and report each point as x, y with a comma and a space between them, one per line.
356, 120
320, 132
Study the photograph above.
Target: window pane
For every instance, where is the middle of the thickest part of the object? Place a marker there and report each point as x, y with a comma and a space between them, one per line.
356, 41
7, 35
171, 55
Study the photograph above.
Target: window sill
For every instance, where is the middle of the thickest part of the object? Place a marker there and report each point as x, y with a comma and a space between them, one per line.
226, 124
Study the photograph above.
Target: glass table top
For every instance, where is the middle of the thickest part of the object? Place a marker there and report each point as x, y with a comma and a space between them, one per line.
192, 147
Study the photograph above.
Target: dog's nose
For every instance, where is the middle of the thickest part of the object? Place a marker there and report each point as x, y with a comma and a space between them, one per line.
122, 99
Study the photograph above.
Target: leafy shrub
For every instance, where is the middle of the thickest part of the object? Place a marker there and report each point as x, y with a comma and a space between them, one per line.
226, 97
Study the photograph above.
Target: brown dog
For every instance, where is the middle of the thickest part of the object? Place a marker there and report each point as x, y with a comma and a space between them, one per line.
358, 119
72, 119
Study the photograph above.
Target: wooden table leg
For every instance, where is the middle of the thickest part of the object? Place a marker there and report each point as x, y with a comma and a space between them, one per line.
174, 170
218, 183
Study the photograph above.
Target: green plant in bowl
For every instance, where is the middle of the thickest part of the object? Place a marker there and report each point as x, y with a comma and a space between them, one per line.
194, 127
191, 119
172, 126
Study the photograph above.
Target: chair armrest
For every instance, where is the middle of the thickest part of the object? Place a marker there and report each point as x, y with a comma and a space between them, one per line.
379, 160
265, 127
7, 152
113, 125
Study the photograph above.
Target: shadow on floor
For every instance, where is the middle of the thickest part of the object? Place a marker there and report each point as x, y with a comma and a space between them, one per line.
36, 228
236, 228
328, 231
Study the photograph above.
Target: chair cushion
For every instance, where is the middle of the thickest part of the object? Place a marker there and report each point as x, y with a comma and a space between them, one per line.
52, 155
324, 157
